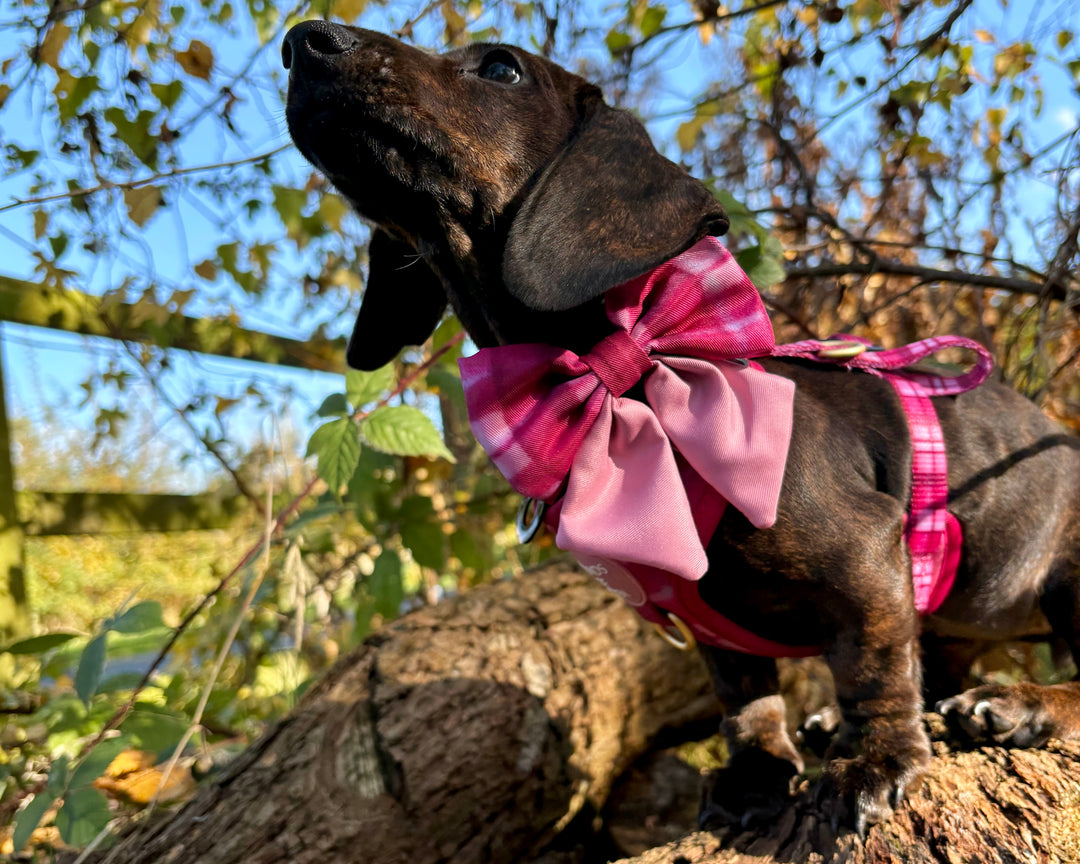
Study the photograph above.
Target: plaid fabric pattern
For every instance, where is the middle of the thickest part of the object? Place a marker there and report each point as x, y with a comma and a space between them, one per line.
555, 423
879, 362
933, 535
623, 472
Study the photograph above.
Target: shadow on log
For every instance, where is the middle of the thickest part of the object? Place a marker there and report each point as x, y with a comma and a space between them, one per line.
494, 727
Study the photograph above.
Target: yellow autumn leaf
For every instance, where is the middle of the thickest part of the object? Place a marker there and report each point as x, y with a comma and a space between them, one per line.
206, 270
349, 10
142, 203
984, 36
53, 43
332, 210
197, 60
140, 31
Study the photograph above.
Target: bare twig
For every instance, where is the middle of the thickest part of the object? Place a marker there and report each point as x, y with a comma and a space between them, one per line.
142, 181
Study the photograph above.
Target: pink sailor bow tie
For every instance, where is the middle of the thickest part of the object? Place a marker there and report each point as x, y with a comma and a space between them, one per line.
549, 418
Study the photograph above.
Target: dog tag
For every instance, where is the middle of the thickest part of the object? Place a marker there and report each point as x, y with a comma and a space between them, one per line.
615, 578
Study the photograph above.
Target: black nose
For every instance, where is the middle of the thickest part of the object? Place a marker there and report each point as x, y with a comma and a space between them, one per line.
316, 40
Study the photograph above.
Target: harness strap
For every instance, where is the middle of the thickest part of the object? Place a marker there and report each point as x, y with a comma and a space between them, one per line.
932, 533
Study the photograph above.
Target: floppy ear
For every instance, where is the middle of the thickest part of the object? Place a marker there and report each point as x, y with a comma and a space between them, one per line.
403, 302
609, 208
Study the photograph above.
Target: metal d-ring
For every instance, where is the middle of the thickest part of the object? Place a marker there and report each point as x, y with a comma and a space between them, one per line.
526, 532
684, 641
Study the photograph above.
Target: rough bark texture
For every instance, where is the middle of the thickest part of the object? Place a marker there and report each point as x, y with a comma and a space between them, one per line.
991, 806
470, 731
496, 727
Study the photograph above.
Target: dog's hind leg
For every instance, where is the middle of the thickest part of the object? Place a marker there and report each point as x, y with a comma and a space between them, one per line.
756, 783
1026, 714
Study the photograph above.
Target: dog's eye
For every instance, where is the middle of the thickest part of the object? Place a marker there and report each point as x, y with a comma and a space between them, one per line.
500, 66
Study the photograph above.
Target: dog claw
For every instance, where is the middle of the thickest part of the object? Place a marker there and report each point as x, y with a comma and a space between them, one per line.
897, 795
711, 815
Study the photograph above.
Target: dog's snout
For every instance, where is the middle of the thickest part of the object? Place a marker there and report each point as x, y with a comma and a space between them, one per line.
316, 40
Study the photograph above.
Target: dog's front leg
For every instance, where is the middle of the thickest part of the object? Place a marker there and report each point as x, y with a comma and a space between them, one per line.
882, 745
756, 783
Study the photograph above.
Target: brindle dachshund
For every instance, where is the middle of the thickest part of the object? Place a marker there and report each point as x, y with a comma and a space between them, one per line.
504, 185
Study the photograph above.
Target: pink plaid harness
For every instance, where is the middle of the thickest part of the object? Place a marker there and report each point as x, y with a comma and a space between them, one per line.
639, 487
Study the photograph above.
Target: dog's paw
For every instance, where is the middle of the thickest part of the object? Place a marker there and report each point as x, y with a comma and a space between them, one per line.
753, 789
859, 792
1013, 715
817, 731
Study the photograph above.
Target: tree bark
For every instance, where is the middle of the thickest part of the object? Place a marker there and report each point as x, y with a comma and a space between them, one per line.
475, 730
495, 727
991, 805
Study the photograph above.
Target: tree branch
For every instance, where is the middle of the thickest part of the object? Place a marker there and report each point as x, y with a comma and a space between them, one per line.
1057, 289
144, 181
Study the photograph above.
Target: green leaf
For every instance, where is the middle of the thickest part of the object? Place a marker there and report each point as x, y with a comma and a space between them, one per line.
72, 92
652, 20
91, 664
27, 819
426, 542
58, 777
448, 385
96, 761
741, 220
139, 618
84, 814
149, 727
762, 264
447, 330
39, 644
386, 586
617, 41
136, 134
333, 405
364, 387
465, 548
403, 431
290, 204
168, 94
337, 446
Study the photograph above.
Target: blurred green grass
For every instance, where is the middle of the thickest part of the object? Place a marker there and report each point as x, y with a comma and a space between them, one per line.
75, 581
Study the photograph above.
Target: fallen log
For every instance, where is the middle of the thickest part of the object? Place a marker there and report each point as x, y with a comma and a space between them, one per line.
475, 730
495, 727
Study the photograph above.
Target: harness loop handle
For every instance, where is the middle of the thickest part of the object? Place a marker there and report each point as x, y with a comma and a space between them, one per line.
527, 527
684, 641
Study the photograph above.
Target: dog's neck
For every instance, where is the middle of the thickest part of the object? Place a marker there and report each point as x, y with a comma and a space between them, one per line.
489, 312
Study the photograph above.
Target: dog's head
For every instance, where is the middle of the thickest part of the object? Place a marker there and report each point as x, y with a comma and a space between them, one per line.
495, 179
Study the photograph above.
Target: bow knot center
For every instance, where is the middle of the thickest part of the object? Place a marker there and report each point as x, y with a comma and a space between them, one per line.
618, 361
